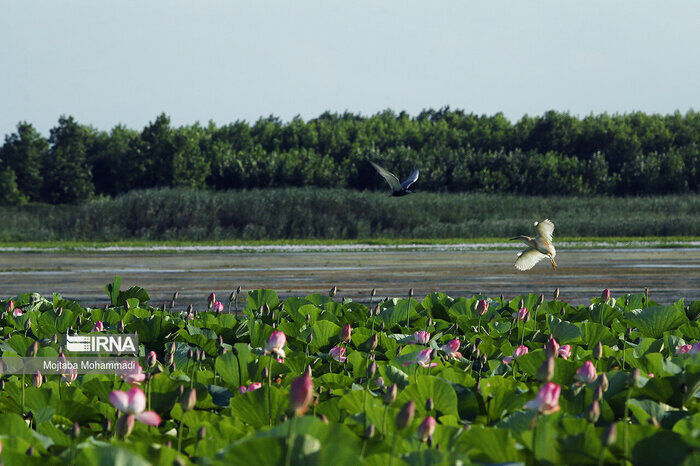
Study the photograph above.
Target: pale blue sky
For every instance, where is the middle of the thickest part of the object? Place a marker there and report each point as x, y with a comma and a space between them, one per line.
110, 62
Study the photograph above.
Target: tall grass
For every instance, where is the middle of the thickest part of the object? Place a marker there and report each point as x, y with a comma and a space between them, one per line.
181, 214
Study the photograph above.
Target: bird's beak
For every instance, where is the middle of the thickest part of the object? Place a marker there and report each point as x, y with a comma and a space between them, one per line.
516, 238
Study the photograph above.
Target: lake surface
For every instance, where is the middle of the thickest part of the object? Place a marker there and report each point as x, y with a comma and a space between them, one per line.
670, 274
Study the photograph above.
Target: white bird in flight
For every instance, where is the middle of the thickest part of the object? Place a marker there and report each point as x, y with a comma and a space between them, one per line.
539, 248
397, 188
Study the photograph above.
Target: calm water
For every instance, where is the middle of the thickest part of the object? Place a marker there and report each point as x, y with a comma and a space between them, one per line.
670, 274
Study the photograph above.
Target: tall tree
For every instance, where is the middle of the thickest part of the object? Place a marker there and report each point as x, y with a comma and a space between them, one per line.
69, 178
23, 153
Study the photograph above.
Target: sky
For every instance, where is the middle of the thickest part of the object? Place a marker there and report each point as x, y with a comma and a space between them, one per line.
125, 62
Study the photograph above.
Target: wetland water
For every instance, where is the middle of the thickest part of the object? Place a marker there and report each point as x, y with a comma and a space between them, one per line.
670, 274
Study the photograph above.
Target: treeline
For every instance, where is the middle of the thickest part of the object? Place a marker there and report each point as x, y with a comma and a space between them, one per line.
555, 153
294, 213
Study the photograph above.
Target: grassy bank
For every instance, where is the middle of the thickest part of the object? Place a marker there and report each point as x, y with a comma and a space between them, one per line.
179, 215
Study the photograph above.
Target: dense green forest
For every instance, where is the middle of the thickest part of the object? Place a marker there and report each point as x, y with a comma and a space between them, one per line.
303, 213
555, 153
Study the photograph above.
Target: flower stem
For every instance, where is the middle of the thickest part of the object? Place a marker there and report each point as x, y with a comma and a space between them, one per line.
290, 432
269, 389
179, 434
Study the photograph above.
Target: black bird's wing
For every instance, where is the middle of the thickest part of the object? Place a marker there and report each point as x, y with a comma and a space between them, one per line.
389, 177
411, 179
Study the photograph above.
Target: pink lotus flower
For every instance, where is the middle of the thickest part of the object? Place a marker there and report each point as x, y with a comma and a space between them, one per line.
423, 359
605, 295
586, 373
451, 349
345, 333
134, 402
135, 375
37, 379
421, 337
17, 312
69, 375
651, 376
338, 353
565, 351
276, 344
10, 306
151, 359
250, 388
695, 349
426, 428
519, 351
547, 401
683, 349
552, 347
217, 306
523, 314
301, 393
98, 327
482, 307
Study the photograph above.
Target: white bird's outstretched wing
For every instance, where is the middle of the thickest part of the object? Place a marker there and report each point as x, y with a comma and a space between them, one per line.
410, 180
545, 228
528, 258
389, 177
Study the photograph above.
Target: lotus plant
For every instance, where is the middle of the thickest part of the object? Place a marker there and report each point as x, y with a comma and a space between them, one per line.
98, 327
346, 334
135, 375
338, 353
423, 359
451, 349
565, 351
275, 345
426, 428
519, 351
552, 347
217, 306
133, 403
586, 373
250, 388
421, 337
16, 312
547, 400
301, 393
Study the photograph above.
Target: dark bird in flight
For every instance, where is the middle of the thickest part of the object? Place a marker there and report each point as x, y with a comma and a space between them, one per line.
397, 188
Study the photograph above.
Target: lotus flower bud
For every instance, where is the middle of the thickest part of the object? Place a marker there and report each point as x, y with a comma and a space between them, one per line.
59, 312
125, 425
333, 291
54, 339
201, 433
308, 319
9, 306
586, 373
371, 370
482, 307
232, 296
172, 367
265, 373
381, 327
373, 292
211, 299
373, 341
429, 405
556, 293
2, 384
390, 394
593, 412
37, 379
171, 358
369, 432
345, 333
635, 377
540, 300
190, 308
323, 418
605, 295
610, 435
603, 382
28, 324
598, 351
309, 338
426, 428
301, 393
151, 359
189, 400
190, 354
546, 370
405, 416
30, 451
75, 431
410, 292
33, 349
106, 425
598, 394
238, 290
552, 347
627, 301
121, 326
521, 304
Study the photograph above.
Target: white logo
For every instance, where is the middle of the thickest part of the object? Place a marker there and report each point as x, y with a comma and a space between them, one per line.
112, 344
